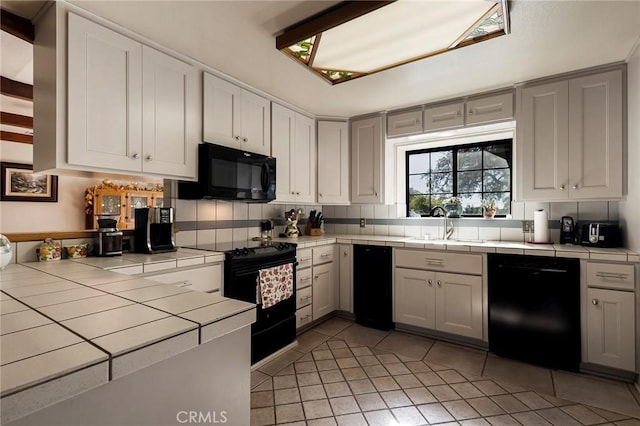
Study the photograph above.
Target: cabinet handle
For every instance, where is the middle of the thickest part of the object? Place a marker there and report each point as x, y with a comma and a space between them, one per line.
305, 279
562, 187
606, 275
238, 138
304, 259
316, 276
430, 281
594, 302
325, 255
135, 156
459, 114
320, 194
417, 122
470, 112
346, 253
297, 193
575, 186
439, 283
430, 261
305, 317
185, 284
245, 139
149, 157
293, 193
302, 299
375, 193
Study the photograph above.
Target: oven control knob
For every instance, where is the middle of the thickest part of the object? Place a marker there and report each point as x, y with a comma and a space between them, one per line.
237, 252
245, 251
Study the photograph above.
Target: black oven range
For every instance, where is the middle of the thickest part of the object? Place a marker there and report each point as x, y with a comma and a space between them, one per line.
275, 326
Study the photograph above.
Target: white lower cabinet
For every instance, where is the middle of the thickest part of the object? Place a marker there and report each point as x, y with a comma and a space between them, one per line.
610, 328
323, 290
304, 316
446, 302
345, 279
208, 278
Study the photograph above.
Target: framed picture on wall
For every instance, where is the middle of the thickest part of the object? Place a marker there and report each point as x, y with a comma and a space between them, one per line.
19, 183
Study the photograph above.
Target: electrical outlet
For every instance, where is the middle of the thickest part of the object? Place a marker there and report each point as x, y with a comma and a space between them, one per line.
527, 226
363, 222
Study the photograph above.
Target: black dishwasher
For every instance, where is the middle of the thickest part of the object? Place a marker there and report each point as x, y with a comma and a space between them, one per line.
534, 309
372, 293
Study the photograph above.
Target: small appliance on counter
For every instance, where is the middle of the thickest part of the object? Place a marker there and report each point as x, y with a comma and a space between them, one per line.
266, 230
154, 232
601, 234
109, 237
567, 230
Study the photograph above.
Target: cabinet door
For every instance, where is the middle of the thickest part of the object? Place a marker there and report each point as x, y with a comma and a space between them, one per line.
333, 162
595, 136
170, 108
303, 156
323, 290
444, 117
283, 134
459, 304
404, 123
222, 112
345, 259
415, 297
543, 138
256, 123
104, 97
490, 108
366, 161
611, 328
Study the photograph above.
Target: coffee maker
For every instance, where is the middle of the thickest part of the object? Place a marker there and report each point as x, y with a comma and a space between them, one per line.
567, 230
109, 237
154, 231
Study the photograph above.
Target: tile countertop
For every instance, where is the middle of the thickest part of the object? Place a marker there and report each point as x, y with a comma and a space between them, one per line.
480, 246
71, 325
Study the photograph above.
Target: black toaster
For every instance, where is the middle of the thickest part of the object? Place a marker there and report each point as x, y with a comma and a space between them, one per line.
601, 234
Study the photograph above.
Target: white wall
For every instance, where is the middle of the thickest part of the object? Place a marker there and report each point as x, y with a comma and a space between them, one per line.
630, 208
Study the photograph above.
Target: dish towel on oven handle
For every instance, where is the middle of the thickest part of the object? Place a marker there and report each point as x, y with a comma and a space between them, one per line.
275, 284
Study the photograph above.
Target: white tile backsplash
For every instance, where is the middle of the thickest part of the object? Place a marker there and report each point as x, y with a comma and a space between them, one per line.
186, 210
206, 236
340, 212
186, 238
517, 210
468, 232
381, 211
380, 229
412, 231
224, 235
614, 213
433, 231
328, 211
240, 234
355, 229
530, 207
489, 233
240, 211
511, 234
255, 211
206, 210
396, 230
224, 210
593, 210
367, 211
339, 228
557, 210
353, 212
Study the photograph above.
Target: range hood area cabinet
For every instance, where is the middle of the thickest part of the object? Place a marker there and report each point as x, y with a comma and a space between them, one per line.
570, 138
235, 117
333, 162
294, 147
125, 108
471, 111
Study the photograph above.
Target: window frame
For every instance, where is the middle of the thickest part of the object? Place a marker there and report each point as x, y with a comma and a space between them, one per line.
454, 149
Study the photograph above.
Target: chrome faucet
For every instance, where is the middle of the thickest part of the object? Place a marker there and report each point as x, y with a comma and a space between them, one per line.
448, 225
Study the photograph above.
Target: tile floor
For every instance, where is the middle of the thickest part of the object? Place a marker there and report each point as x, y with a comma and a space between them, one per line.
344, 374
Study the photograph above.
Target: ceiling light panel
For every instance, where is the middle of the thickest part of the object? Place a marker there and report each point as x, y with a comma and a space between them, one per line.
398, 32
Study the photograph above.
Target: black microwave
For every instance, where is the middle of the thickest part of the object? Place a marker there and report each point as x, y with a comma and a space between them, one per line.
231, 174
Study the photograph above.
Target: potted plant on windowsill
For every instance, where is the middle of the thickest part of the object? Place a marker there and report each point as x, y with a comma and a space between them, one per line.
453, 207
489, 208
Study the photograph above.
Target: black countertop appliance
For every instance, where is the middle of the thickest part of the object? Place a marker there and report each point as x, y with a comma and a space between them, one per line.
601, 234
567, 230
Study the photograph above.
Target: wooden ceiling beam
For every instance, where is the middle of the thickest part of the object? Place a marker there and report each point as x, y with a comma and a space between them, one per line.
16, 89
17, 120
16, 137
17, 26
341, 13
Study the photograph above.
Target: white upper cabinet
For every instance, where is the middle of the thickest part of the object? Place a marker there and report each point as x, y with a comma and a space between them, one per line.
404, 123
104, 97
294, 147
488, 109
130, 109
570, 138
333, 162
367, 174
235, 117
442, 117
169, 105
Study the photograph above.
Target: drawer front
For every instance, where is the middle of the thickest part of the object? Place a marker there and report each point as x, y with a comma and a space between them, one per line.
404, 123
303, 297
610, 275
303, 278
489, 109
323, 254
444, 117
304, 258
303, 316
440, 261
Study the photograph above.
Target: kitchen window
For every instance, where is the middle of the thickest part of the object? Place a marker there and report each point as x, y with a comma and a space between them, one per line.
472, 173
